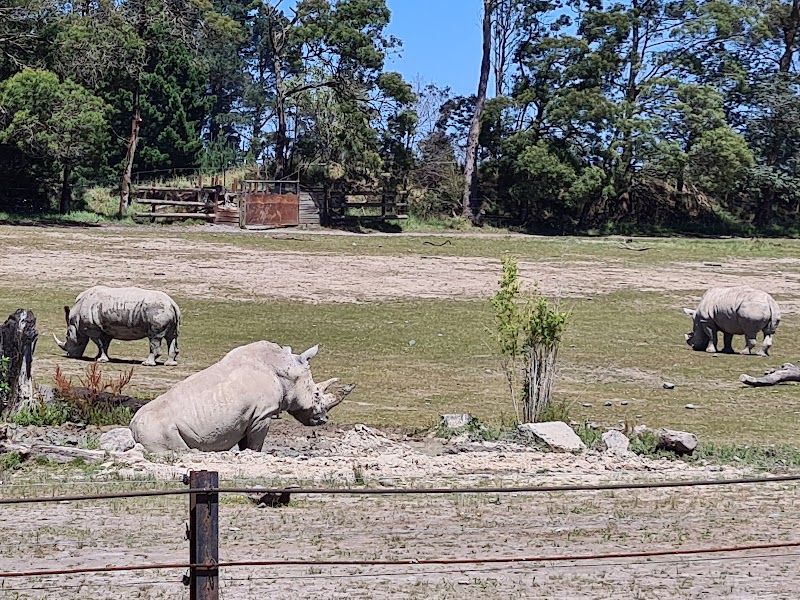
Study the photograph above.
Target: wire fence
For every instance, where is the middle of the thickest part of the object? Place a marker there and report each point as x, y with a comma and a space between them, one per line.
413, 566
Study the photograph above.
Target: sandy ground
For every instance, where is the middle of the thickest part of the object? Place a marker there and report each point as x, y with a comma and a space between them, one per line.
227, 272
151, 531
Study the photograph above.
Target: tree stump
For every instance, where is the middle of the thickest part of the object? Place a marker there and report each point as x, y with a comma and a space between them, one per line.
18, 337
787, 372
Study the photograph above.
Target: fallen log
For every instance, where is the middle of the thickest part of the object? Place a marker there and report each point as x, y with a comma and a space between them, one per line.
787, 372
59, 454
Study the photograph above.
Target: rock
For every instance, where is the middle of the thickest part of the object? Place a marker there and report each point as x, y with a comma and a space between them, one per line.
557, 435
679, 442
640, 429
668, 386
690, 406
615, 442
609, 403
117, 440
412, 342
624, 403
586, 405
455, 421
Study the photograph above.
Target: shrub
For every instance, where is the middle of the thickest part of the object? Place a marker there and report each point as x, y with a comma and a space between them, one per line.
528, 333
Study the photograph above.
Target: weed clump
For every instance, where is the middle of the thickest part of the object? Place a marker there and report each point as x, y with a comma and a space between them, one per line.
91, 402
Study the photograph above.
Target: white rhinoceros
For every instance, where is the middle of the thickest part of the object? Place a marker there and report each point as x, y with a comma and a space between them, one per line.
102, 314
737, 310
232, 402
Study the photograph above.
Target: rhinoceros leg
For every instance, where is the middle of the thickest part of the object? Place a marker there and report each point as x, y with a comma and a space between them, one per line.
172, 343
751, 343
727, 341
102, 343
711, 333
254, 440
155, 352
766, 345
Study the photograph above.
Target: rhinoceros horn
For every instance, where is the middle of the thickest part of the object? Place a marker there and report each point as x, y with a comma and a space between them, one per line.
322, 387
340, 395
61, 344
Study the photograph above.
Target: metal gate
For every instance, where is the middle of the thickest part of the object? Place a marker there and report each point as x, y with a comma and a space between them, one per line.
270, 203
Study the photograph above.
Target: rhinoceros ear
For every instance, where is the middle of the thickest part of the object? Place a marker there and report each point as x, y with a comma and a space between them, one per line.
309, 354
689, 312
66, 314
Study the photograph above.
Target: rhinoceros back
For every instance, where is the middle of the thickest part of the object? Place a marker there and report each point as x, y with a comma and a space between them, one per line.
126, 313
739, 310
212, 410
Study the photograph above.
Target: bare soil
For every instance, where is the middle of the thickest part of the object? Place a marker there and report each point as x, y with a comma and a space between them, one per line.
142, 531
210, 270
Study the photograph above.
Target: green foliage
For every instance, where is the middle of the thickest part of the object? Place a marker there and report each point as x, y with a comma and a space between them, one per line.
60, 412
44, 116
10, 461
5, 384
477, 431
528, 331
589, 435
644, 443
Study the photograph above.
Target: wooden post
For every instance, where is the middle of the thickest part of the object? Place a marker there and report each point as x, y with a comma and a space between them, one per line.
203, 536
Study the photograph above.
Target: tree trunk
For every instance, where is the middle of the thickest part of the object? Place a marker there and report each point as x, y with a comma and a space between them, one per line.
133, 141
468, 211
624, 184
281, 142
66, 191
18, 337
787, 372
789, 38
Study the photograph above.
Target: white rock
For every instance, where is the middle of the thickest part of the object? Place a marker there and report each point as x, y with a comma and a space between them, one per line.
679, 442
454, 421
117, 440
615, 442
690, 406
668, 386
556, 434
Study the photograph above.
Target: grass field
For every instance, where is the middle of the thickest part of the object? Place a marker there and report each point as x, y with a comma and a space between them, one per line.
625, 341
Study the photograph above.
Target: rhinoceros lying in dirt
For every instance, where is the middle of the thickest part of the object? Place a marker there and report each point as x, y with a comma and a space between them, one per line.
733, 311
232, 402
102, 314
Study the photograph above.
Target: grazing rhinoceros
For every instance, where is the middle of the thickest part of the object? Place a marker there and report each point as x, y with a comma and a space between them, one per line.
102, 314
232, 402
733, 311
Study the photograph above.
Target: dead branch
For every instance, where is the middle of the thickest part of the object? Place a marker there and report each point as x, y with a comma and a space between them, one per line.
787, 372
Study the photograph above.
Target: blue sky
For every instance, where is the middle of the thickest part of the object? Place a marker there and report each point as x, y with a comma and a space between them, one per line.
441, 42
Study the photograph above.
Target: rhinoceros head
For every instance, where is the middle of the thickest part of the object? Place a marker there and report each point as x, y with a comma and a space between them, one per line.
74, 344
309, 402
696, 338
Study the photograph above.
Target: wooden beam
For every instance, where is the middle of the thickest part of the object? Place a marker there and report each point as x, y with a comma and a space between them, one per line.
157, 202
150, 215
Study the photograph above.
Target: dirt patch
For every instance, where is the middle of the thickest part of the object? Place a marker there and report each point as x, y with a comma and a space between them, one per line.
409, 527
209, 270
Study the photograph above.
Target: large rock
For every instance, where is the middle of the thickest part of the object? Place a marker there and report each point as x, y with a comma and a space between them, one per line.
455, 421
615, 442
557, 435
117, 440
679, 442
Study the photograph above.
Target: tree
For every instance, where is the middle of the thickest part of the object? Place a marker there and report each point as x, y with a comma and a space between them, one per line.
322, 45
60, 121
471, 157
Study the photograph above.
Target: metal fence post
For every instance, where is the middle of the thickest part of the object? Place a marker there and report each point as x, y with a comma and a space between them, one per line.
204, 536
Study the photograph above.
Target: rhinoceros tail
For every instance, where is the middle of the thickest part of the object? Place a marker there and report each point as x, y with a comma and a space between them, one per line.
774, 318
178, 318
